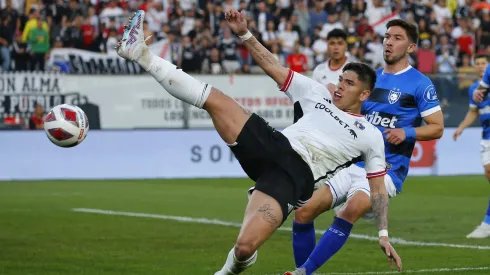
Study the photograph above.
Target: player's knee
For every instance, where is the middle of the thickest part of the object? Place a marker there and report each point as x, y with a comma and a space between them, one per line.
214, 100
304, 214
244, 250
356, 206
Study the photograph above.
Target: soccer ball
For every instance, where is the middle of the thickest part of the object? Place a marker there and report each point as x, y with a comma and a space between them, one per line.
66, 125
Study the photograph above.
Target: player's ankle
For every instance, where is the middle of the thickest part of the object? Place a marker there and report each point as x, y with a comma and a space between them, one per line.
145, 59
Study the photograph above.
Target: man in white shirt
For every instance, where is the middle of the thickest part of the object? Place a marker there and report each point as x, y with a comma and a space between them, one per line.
285, 165
330, 70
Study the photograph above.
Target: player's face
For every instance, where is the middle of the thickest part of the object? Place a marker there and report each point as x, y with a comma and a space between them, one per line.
350, 92
396, 45
481, 65
336, 48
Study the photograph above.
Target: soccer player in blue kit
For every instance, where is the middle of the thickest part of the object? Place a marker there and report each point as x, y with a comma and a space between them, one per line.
402, 98
480, 105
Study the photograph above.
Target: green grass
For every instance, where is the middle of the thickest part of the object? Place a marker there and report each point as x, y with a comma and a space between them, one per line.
39, 234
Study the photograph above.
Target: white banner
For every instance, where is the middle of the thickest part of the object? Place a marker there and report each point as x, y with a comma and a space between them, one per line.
128, 102
179, 154
75, 61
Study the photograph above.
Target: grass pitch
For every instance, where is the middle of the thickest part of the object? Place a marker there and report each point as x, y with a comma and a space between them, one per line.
40, 234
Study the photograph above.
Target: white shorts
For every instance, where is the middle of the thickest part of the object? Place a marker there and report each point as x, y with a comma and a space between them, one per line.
485, 152
350, 180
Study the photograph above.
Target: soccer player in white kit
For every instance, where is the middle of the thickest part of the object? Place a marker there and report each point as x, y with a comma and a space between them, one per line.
284, 165
329, 71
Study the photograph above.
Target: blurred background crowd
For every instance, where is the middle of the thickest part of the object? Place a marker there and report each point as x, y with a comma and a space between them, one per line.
451, 31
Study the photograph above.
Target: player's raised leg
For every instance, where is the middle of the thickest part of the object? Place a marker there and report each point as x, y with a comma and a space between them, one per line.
228, 116
304, 237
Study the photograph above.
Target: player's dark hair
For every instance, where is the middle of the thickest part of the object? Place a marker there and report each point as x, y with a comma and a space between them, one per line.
481, 55
410, 28
364, 72
337, 33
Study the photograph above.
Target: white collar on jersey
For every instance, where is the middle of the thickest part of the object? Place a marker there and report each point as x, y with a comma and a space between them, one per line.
402, 71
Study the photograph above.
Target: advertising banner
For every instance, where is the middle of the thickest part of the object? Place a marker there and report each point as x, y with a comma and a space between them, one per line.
146, 154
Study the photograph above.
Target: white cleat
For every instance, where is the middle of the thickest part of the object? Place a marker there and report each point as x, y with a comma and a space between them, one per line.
481, 232
132, 44
299, 271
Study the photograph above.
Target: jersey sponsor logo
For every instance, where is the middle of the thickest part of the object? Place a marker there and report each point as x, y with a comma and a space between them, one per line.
394, 95
321, 106
377, 119
430, 94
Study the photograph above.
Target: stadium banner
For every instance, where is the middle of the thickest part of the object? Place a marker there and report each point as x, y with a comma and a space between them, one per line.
130, 102
115, 102
75, 61
147, 154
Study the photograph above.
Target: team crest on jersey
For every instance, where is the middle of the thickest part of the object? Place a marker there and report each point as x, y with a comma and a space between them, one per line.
430, 94
394, 95
359, 125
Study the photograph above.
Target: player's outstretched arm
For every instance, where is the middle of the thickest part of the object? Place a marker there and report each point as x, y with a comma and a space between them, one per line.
263, 57
470, 117
380, 203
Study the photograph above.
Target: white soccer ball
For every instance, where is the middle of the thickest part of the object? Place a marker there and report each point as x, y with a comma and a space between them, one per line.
66, 125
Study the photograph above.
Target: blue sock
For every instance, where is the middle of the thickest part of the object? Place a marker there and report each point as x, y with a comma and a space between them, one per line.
487, 217
330, 243
304, 240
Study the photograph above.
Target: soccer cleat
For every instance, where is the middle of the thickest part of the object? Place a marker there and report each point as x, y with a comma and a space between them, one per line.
299, 271
481, 232
132, 44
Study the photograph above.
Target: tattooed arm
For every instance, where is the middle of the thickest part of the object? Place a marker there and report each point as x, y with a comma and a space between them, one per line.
379, 201
263, 57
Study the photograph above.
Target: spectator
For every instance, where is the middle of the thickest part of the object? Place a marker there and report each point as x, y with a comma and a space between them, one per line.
318, 16
36, 122
39, 40
288, 38
20, 54
228, 48
33, 23
426, 58
297, 61
6, 35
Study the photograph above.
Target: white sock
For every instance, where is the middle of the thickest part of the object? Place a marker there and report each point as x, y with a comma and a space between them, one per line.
175, 81
233, 266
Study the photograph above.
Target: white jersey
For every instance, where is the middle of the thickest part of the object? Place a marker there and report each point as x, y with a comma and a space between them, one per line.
327, 138
324, 74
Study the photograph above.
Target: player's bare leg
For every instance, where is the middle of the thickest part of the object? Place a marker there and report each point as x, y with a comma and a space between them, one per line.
336, 236
263, 216
228, 116
304, 237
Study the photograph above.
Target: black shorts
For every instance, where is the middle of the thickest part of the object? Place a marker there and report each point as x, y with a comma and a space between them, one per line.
277, 169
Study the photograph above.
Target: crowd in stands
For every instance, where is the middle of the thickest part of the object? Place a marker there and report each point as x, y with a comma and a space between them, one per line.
451, 31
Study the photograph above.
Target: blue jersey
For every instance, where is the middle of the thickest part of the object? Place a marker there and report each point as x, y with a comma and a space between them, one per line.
483, 110
400, 100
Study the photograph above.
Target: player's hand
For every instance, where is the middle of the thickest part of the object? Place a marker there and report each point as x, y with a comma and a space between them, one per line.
390, 252
478, 96
457, 133
395, 136
237, 22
